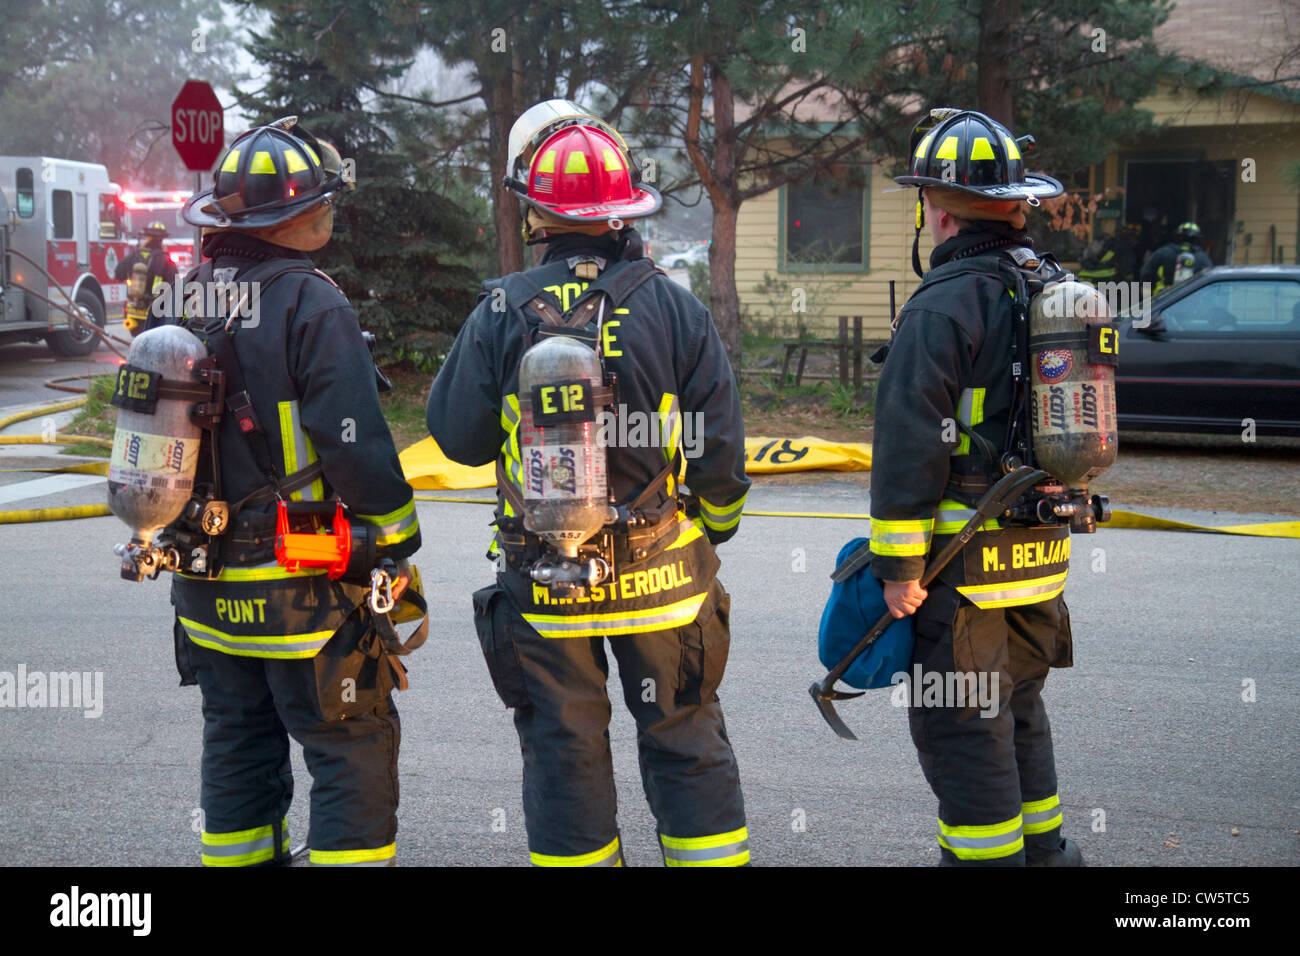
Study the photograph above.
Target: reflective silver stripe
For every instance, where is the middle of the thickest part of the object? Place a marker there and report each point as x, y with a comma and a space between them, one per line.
708, 853
970, 411
979, 843
1040, 821
397, 525
238, 849
900, 537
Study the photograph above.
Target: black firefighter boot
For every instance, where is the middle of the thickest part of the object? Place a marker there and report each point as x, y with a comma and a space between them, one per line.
1051, 849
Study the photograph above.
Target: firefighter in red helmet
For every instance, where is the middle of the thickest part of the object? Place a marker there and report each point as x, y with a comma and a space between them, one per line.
595, 537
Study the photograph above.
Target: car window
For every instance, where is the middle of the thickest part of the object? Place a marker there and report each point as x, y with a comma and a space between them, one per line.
1236, 308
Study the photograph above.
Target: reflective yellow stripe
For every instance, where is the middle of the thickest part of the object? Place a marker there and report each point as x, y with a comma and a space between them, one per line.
687, 531
1042, 815
900, 538
353, 857
261, 163
722, 517
953, 515
298, 451
920, 147
243, 847
614, 623
269, 571
270, 645
983, 842
719, 849
398, 525
608, 855
981, 149
947, 149
1013, 593
970, 410
510, 453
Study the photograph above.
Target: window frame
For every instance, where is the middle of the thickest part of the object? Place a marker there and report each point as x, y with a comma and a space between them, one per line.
785, 265
54, 216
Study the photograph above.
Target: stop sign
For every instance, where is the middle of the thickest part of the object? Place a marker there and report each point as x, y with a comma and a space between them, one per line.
198, 132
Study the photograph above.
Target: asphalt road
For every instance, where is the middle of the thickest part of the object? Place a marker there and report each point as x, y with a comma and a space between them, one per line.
1159, 756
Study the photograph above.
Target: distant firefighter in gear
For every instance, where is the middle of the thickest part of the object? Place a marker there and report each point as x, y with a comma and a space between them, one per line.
946, 396
146, 271
596, 348
1177, 261
282, 653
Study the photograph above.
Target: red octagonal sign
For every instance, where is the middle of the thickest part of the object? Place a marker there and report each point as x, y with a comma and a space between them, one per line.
198, 132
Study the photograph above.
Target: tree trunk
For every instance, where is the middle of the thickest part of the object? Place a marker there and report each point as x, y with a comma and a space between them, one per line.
500, 83
724, 300
998, 20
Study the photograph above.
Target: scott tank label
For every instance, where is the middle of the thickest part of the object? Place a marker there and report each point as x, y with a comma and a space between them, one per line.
1075, 407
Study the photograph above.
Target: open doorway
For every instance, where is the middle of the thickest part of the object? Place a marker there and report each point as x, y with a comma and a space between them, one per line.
1160, 194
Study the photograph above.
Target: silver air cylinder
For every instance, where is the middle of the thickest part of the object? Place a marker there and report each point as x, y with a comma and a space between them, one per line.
155, 453
565, 488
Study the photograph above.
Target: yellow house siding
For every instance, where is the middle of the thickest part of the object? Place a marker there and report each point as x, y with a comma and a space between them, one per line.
830, 295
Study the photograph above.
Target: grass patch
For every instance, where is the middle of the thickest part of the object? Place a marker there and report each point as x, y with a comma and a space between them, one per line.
95, 419
404, 405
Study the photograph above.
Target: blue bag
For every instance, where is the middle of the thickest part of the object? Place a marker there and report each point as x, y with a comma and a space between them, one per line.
854, 606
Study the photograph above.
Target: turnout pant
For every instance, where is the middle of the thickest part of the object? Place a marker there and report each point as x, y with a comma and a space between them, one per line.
349, 734
556, 687
989, 760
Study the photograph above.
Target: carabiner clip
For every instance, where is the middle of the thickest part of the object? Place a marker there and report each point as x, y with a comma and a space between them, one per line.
381, 592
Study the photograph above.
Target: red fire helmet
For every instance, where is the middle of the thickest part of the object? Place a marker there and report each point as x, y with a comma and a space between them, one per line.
580, 174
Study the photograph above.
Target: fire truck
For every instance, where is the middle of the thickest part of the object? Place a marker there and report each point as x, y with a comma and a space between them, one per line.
64, 227
61, 236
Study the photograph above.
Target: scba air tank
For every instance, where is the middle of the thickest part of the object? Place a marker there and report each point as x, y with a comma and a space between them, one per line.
156, 445
1073, 351
564, 483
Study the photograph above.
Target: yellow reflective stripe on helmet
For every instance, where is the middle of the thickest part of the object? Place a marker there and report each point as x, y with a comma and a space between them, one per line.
231, 165
576, 163
1013, 151
1042, 815
378, 856
981, 149
983, 842
243, 847
298, 451
722, 517
612, 161
721, 849
1014, 593
290, 646
953, 515
608, 855
293, 161
614, 623
262, 163
921, 146
901, 538
948, 149
397, 525
312, 153
547, 162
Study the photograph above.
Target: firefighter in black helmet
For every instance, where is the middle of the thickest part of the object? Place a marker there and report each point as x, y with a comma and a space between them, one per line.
280, 653
657, 599
945, 401
159, 271
1179, 260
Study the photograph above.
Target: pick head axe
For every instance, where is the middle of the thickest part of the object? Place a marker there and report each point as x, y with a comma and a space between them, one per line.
995, 501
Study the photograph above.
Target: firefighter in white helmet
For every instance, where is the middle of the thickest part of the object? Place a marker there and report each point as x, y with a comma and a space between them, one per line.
555, 376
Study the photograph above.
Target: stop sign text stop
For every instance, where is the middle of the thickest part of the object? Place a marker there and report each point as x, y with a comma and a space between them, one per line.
198, 130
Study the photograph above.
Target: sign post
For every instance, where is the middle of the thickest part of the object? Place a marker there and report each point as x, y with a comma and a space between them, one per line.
198, 133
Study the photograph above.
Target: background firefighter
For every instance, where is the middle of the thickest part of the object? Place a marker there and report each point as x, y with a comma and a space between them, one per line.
279, 653
948, 366
1178, 260
662, 609
159, 273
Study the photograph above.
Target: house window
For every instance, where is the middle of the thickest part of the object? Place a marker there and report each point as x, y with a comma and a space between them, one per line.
825, 226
